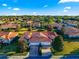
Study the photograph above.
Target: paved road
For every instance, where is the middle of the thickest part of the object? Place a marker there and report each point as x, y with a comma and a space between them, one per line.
39, 57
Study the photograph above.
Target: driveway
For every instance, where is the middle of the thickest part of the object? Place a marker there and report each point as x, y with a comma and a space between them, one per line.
33, 51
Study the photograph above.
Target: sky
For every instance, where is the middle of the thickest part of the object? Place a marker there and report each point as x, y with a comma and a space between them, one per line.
39, 7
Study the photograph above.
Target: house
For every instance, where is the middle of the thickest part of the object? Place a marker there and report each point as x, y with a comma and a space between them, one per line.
7, 37
36, 24
70, 23
9, 25
71, 32
39, 37
29, 23
36, 38
57, 25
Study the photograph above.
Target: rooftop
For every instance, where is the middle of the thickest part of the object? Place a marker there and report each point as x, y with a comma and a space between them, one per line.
8, 35
39, 36
72, 31
9, 25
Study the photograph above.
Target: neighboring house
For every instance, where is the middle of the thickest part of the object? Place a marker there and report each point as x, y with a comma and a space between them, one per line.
33, 23
37, 38
70, 23
29, 22
36, 24
9, 25
57, 25
7, 37
71, 32
70, 28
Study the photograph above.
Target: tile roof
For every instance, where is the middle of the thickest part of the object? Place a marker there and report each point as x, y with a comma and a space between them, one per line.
9, 25
4, 33
8, 35
72, 31
12, 35
39, 36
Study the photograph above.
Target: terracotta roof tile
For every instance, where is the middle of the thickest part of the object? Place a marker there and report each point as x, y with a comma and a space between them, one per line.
3, 33
8, 35
9, 26
71, 31
40, 36
12, 35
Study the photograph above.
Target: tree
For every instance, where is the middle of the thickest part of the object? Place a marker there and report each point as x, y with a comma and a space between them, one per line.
49, 27
58, 43
42, 21
46, 19
51, 20
23, 45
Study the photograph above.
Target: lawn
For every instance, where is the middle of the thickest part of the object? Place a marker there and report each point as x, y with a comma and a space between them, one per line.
22, 31
69, 47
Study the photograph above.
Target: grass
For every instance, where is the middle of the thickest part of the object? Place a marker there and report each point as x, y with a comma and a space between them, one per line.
68, 48
22, 31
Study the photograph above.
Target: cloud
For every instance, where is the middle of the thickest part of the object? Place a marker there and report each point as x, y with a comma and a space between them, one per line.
66, 9
4, 4
16, 9
65, 1
34, 12
45, 6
